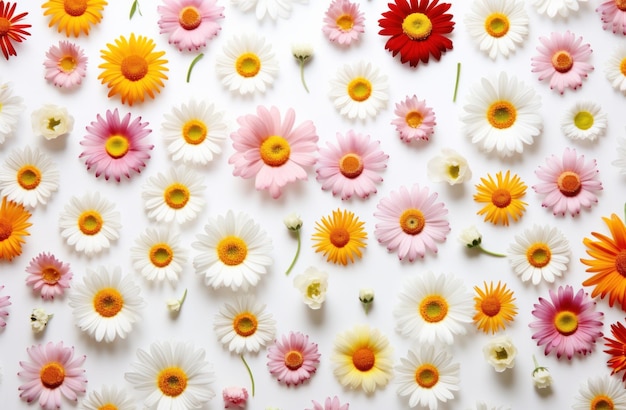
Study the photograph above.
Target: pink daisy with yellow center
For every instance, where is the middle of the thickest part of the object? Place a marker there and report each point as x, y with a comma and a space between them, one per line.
190, 23
66, 64
293, 359
415, 120
48, 275
343, 22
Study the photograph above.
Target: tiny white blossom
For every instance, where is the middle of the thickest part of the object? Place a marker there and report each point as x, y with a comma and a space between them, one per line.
174, 305
366, 296
449, 166
302, 50
313, 285
541, 376
500, 353
293, 222
51, 121
39, 319
470, 237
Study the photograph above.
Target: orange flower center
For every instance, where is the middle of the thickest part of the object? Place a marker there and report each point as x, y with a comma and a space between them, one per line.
108, 302
566, 322
75, 8
620, 260
351, 165
134, 67
426, 376
363, 359
52, 375
5, 26
189, 18
176, 196
602, 402
562, 61
90, 222
501, 114
50, 275
433, 308
620, 4
501, 198
497, 25
6, 229
412, 221
29, 177
172, 381
275, 151
490, 305
414, 119
359, 89
245, 324
345, 22
232, 250
294, 360
569, 183
67, 64
248, 65
538, 255
117, 146
194, 132
622, 67
417, 26
108, 406
339, 237
161, 255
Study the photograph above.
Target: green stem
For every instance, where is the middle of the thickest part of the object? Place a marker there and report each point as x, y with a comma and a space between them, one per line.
184, 297
295, 258
535, 361
302, 75
499, 255
193, 63
456, 84
249, 373
625, 211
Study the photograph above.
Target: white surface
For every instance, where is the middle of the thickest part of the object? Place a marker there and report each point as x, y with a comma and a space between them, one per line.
107, 363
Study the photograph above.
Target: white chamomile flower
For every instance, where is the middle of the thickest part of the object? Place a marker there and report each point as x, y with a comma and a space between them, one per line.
615, 71
268, 8
601, 392
449, 166
553, 7
28, 176
585, 120
359, 90
312, 284
12, 107
500, 352
51, 121
194, 133
247, 64
158, 255
108, 398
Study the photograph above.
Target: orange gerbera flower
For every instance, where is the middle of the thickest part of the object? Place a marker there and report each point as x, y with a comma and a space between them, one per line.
340, 237
494, 307
502, 198
617, 349
609, 263
13, 224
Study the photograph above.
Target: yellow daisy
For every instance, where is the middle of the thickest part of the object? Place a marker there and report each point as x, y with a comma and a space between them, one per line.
132, 69
340, 237
494, 307
502, 198
13, 227
74, 16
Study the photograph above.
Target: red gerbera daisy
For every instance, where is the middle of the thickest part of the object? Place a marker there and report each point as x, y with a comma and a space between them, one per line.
9, 30
417, 29
617, 349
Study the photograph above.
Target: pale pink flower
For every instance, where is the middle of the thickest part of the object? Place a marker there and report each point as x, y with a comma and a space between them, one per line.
568, 183
293, 359
190, 23
352, 166
343, 22
330, 404
48, 275
563, 60
66, 64
415, 121
613, 14
4, 302
235, 397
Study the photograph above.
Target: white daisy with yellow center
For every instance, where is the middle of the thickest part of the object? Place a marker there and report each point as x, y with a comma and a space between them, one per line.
90, 223
615, 69
601, 393
28, 176
584, 121
11, 106
247, 64
359, 91
158, 255
244, 326
106, 305
108, 398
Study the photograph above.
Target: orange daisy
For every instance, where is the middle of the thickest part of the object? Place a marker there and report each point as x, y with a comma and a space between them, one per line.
340, 237
502, 197
494, 307
74, 16
13, 224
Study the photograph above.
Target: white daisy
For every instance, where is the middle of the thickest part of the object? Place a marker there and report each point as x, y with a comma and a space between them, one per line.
433, 308
481, 405
428, 376
11, 108
270, 8
157, 255
502, 114
28, 176
172, 376
601, 392
244, 326
540, 253
90, 223
497, 26
194, 133
106, 305
247, 64
359, 90
584, 121
552, 7
620, 162
235, 252
174, 196
615, 71
108, 398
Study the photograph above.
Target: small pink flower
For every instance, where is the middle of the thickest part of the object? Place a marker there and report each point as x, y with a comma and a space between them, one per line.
568, 183
48, 275
66, 64
235, 397
343, 22
293, 359
415, 120
190, 23
563, 60
613, 14
4, 302
329, 404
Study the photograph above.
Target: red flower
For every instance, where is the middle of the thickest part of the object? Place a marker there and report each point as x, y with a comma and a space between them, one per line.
617, 349
417, 29
9, 30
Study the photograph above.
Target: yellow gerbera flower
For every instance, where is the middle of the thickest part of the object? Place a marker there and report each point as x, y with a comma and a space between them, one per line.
132, 69
340, 237
494, 307
13, 224
74, 16
502, 197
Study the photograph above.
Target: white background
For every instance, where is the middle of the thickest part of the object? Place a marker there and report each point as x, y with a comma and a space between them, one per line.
434, 82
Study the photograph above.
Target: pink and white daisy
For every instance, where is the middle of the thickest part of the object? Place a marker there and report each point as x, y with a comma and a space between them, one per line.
569, 323
115, 146
563, 60
329, 404
568, 183
352, 166
48, 275
271, 150
190, 23
52, 372
415, 120
613, 15
66, 64
343, 22
293, 359
4, 302
411, 222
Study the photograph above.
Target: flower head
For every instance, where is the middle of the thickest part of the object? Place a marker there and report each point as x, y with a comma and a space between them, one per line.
4, 302
66, 64
39, 319
10, 30
502, 197
343, 22
174, 305
449, 166
13, 228
541, 376
615, 69
158, 255
600, 392
74, 17
51, 121
312, 284
48, 275
500, 352
235, 397
471, 237
616, 349
366, 297
111, 396
340, 237
12, 107
190, 23
302, 52
293, 222
244, 326
553, 7
495, 308
359, 90
329, 404
613, 15
584, 121
414, 120
292, 359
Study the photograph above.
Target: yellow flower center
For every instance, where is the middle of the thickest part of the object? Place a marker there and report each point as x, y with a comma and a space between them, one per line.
601, 402
90, 222
5, 26
569, 183
6, 229
538, 255
172, 381
176, 196
134, 67
345, 22
75, 8
360, 89
339, 237
566, 322
50, 275
232, 250
189, 18
501, 114
412, 221
108, 302
490, 305
161, 255
351, 165
501, 198
52, 375
433, 308
294, 360
108, 406
363, 359
313, 290
117, 146
454, 171
417, 26
426, 376
245, 324
620, 4
67, 63
620, 260
562, 61
29, 177
497, 25
414, 119
622, 67
195, 132
248, 65
583, 120
275, 151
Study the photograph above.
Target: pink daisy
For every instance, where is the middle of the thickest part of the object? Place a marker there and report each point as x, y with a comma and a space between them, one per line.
190, 23
51, 372
48, 275
271, 151
568, 324
352, 166
114, 146
343, 22
4, 302
66, 64
411, 222
330, 404
415, 120
613, 14
563, 60
568, 183
293, 359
